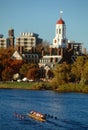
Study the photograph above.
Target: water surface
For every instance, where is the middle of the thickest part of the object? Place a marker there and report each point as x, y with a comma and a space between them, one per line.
66, 111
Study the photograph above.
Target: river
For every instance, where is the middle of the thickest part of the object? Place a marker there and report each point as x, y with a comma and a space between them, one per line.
66, 111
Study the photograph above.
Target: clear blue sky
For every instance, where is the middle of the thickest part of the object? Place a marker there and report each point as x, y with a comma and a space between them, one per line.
40, 16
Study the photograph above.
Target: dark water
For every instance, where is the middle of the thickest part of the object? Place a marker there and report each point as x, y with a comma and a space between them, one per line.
71, 110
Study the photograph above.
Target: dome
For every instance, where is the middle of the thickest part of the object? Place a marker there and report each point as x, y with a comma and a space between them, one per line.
60, 21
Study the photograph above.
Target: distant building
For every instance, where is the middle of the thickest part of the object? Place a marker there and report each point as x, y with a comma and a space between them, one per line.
61, 49
60, 40
31, 57
26, 42
11, 38
7, 42
3, 42
75, 46
56, 50
16, 56
28, 57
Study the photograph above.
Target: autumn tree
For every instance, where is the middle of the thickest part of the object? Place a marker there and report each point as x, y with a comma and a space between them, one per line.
33, 73
1, 69
44, 45
7, 74
5, 57
78, 68
6, 53
61, 74
26, 68
16, 65
84, 75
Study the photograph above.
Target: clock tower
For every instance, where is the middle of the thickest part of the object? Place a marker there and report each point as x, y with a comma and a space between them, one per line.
60, 34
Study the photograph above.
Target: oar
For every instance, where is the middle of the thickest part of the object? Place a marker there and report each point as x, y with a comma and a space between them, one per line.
20, 116
51, 116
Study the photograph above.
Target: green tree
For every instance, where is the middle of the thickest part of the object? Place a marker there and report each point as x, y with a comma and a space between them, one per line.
26, 67
61, 74
78, 68
84, 76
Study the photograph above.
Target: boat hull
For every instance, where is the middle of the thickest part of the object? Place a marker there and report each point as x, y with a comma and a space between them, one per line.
37, 117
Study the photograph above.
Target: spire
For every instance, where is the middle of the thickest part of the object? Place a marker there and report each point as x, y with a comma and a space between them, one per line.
61, 12
60, 21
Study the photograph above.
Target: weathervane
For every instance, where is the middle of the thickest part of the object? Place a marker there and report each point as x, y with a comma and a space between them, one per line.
61, 12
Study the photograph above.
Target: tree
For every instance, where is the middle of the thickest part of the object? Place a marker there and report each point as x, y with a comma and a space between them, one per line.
7, 74
84, 75
5, 57
44, 45
6, 53
77, 68
1, 69
16, 65
61, 74
26, 67
33, 73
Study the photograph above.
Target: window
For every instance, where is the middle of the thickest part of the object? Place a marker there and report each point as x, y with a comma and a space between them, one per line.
59, 31
25, 42
55, 41
32, 39
2, 44
19, 39
25, 46
25, 39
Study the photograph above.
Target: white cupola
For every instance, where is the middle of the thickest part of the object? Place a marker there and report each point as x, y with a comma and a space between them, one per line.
60, 34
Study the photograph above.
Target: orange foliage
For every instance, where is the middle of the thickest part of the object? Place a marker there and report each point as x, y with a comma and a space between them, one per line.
16, 65
7, 74
33, 73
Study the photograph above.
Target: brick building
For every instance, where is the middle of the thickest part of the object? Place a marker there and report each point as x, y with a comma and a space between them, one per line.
62, 49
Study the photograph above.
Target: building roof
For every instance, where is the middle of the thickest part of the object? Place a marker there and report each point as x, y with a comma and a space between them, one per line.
60, 21
16, 56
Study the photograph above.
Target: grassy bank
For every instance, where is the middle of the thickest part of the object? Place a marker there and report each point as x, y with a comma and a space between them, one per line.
24, 85
45, 86
70, 87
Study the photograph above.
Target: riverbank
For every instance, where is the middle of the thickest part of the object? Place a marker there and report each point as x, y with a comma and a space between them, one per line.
73, 87
70, 87
25, 85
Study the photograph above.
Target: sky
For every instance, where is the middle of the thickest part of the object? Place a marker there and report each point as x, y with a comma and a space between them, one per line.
40, 16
